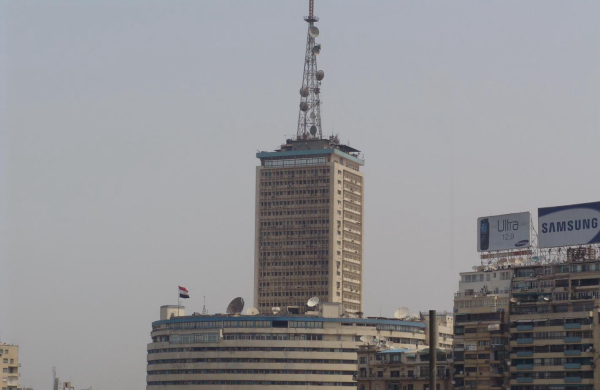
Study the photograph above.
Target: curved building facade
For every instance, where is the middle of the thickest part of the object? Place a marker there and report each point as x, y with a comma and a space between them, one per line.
266, 351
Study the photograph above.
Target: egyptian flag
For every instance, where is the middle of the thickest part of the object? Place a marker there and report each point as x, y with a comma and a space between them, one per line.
183, 292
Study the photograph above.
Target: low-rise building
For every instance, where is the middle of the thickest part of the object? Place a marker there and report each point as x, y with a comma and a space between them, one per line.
316, 349
9, 366
401, 369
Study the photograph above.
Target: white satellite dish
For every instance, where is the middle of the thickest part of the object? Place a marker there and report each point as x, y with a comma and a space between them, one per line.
502, 261
313, 32
511, 261
416, 316
514, 300
494, 267
519, 261
401, 313
316, 49
275, 309
252, 311
474, 268
312, 302
480, 268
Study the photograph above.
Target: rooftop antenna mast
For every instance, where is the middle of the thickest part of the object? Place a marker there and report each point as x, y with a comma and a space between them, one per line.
204, 311
309, 118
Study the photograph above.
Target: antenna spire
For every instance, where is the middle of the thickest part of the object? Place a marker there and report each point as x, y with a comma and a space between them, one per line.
309, 118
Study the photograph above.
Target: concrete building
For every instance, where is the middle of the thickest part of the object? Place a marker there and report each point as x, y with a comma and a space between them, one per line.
10, 366
400, 369
298, 351
445, 324
480, 330
309, 226
554, 326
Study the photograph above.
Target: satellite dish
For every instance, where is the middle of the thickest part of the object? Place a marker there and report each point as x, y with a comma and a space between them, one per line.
320, 75
514, 300
304, 106
313, 32
314, 301
494, 267
480, 268
546, 299
519, 261
275, 309
474, 268
511, 261
363, 339
304, 92
415, 315
401, 313
252, 311
502, 261
313, 130
312, 115
236, 306
316, 49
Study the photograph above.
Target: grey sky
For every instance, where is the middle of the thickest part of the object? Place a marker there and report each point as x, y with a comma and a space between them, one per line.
129, 132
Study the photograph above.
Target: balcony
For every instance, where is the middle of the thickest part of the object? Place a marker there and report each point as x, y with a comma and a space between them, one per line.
572, 339
524, 366
524, 353
572, 366
528, 340
572, 326
521, 328
572, 379
525, 380
572, 352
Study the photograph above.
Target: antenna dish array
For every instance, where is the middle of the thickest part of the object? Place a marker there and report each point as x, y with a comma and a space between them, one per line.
252, 311
236, 306
401, 313
313, 31
312, 302
275, 310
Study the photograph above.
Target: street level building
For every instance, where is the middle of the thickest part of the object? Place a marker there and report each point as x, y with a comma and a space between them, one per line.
9, 366
309, 226
318, 349
480, 330
400, 369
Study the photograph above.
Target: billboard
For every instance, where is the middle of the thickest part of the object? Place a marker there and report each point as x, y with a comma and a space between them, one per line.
576, 224
502, 232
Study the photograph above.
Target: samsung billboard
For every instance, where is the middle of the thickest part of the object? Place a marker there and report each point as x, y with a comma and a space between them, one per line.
503, 232
569, 225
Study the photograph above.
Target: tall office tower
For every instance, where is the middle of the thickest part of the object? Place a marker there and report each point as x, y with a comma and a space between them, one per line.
309, 210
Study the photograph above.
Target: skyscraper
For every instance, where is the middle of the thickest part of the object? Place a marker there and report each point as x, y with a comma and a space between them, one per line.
309, 226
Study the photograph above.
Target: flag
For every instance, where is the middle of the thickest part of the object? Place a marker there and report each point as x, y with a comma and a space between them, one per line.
183, 292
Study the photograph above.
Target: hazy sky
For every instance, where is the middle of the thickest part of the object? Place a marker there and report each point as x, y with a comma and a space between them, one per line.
129, 132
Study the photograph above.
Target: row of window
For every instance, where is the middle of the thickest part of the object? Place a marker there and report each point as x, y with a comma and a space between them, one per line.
250, 349
553, 374
292, 172
194, 338
322, 294
250, 371
553, 361
219, 324
295, 273
294, 202
294, 162
266, 194
553, 348
302, 243
246, 383
252, 360
298, 222
294, 212
294, 182
551, 335
295, 263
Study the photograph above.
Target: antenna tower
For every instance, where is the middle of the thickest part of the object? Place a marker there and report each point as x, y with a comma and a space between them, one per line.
309, 118
204, 311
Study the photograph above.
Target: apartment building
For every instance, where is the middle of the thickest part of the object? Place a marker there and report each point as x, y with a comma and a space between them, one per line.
481, 308
445, 325
307, 351
10, 366
309, 226
554, 326
401, 369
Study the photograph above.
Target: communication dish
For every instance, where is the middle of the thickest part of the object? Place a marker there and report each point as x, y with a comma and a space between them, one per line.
416, 316
304, 92
313, 32
316, 49
514, 300
304, 106
502, 261
314, 301
511, 261
312, 115
401, 313
313, 130
474, 268
494, 267
275, 309
252, 311
236, 306
519, 261
546, 299
320, 75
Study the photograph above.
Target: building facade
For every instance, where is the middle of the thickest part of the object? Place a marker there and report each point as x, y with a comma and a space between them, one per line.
309, 226
10, 366
554, 326
266, 351
480, 347
401, 369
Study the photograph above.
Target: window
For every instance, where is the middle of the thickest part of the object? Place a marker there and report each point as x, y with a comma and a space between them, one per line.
5, 360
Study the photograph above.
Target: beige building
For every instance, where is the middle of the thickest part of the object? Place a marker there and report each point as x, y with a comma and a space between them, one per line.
10, 367
309, 226
480, 331
400, 369
317, 349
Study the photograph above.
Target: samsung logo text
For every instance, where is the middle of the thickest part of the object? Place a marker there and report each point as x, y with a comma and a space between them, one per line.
567, 226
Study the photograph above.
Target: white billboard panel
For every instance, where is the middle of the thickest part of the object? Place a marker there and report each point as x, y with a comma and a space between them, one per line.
576, 224
502, 232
